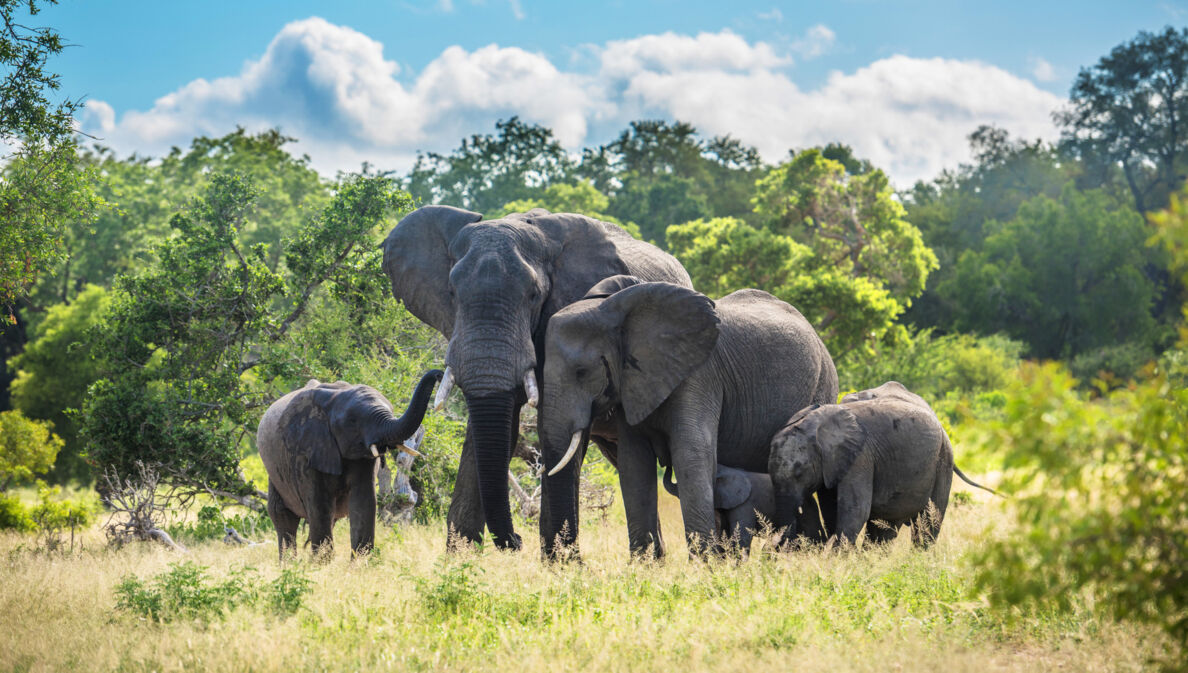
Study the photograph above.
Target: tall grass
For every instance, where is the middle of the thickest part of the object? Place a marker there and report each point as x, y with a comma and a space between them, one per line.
411, 607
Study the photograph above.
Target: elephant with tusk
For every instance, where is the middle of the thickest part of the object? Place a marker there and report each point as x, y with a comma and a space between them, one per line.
321, 446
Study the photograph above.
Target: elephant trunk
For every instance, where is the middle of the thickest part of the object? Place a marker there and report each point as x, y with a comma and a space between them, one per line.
399, 429
493, 418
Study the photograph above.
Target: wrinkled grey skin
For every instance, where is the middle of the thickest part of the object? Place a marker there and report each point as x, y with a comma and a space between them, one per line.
740, 498
882, 453
684, 379
490, 287
316, 446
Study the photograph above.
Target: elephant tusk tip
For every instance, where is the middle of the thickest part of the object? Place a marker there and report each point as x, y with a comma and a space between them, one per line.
411, 451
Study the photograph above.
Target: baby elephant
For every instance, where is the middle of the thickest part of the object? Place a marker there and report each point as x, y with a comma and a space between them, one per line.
321, 445
740, 498
882, 453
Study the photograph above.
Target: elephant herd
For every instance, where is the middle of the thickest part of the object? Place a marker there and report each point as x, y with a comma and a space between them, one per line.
606, 335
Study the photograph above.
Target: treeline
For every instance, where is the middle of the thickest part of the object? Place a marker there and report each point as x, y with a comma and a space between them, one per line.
198, 285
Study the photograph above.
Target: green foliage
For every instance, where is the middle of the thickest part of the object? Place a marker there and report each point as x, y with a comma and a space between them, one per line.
1098, 486
187, 592
42, 188
487, 171
1064, 276
53, 515
54, 371
27, 448
212, 521
581, 197
14, 515
1130, 108
183, 337
451, 590
726, 254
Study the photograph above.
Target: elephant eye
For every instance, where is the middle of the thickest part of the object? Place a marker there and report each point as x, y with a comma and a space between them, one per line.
581, 373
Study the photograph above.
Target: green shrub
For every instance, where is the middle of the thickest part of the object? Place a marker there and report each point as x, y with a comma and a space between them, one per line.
186, 591
14, 515
53, 515
212, 521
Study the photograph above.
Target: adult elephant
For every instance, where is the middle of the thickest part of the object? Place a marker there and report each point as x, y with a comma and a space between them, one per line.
490, 287
694, 382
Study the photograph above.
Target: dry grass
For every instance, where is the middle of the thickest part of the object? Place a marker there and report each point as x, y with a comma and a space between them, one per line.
412, 607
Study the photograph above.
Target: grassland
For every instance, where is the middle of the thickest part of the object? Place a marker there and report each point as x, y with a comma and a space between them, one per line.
411, 607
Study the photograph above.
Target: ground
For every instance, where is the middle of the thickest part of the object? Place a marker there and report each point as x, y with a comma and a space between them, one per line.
412, 607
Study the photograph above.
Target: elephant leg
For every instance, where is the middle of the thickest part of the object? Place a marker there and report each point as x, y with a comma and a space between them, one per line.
320, 512
742, 522
694, 460
808, 521
637, 481
360, 475
284, 521
464, 521
854, 495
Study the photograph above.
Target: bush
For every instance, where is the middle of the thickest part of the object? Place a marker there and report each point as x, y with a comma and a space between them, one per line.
186, 591
54, 515
1098, 486
27, 448
14, 515
212, 522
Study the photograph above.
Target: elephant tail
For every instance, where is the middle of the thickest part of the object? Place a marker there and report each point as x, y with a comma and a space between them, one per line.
669, 484
971, 482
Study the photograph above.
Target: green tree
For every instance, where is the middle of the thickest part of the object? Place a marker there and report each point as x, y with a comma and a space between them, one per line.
488, 171
54, 372
1132, 107
42, 188
1064, 276
726, 254
953, 210
185, 338
27, 448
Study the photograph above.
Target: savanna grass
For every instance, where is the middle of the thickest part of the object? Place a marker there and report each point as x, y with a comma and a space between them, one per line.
412, 607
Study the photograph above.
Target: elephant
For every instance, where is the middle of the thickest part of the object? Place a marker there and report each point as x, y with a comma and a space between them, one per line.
689, 381
881, 453
740, 499
491, 287
321, 446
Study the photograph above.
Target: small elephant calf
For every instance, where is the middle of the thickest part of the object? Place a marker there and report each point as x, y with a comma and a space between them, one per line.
882, 454
321, 445
740, 498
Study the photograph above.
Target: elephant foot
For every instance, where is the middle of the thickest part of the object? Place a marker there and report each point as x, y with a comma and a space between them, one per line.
510, 543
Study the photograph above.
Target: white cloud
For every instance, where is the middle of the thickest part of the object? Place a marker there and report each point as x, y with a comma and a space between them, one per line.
1042, 71
774, 15
815, 41
331, 87
517, 9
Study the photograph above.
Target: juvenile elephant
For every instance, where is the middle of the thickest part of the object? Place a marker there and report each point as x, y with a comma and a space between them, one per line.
679, 377
882, 453
740, 498
321, 445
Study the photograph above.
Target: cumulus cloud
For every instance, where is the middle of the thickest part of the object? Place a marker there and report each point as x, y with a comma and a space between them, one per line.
332, 88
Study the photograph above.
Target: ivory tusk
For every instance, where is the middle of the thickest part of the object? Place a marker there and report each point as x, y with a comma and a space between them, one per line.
374, 451
573, 444
530, 388
410, 451
443, 390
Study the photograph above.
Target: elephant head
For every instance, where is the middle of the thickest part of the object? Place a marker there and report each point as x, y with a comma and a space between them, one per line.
358, 422
490, 288
813, 451
626, 346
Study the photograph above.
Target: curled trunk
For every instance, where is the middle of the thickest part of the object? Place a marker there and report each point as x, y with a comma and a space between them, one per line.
396, 430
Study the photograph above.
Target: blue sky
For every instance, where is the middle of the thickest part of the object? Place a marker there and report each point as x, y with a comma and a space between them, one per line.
904, 82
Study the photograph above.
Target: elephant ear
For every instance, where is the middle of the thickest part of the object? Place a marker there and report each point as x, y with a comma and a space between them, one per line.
667, 331
417, 260
840, 438
608, 286
305, 428
731, 488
